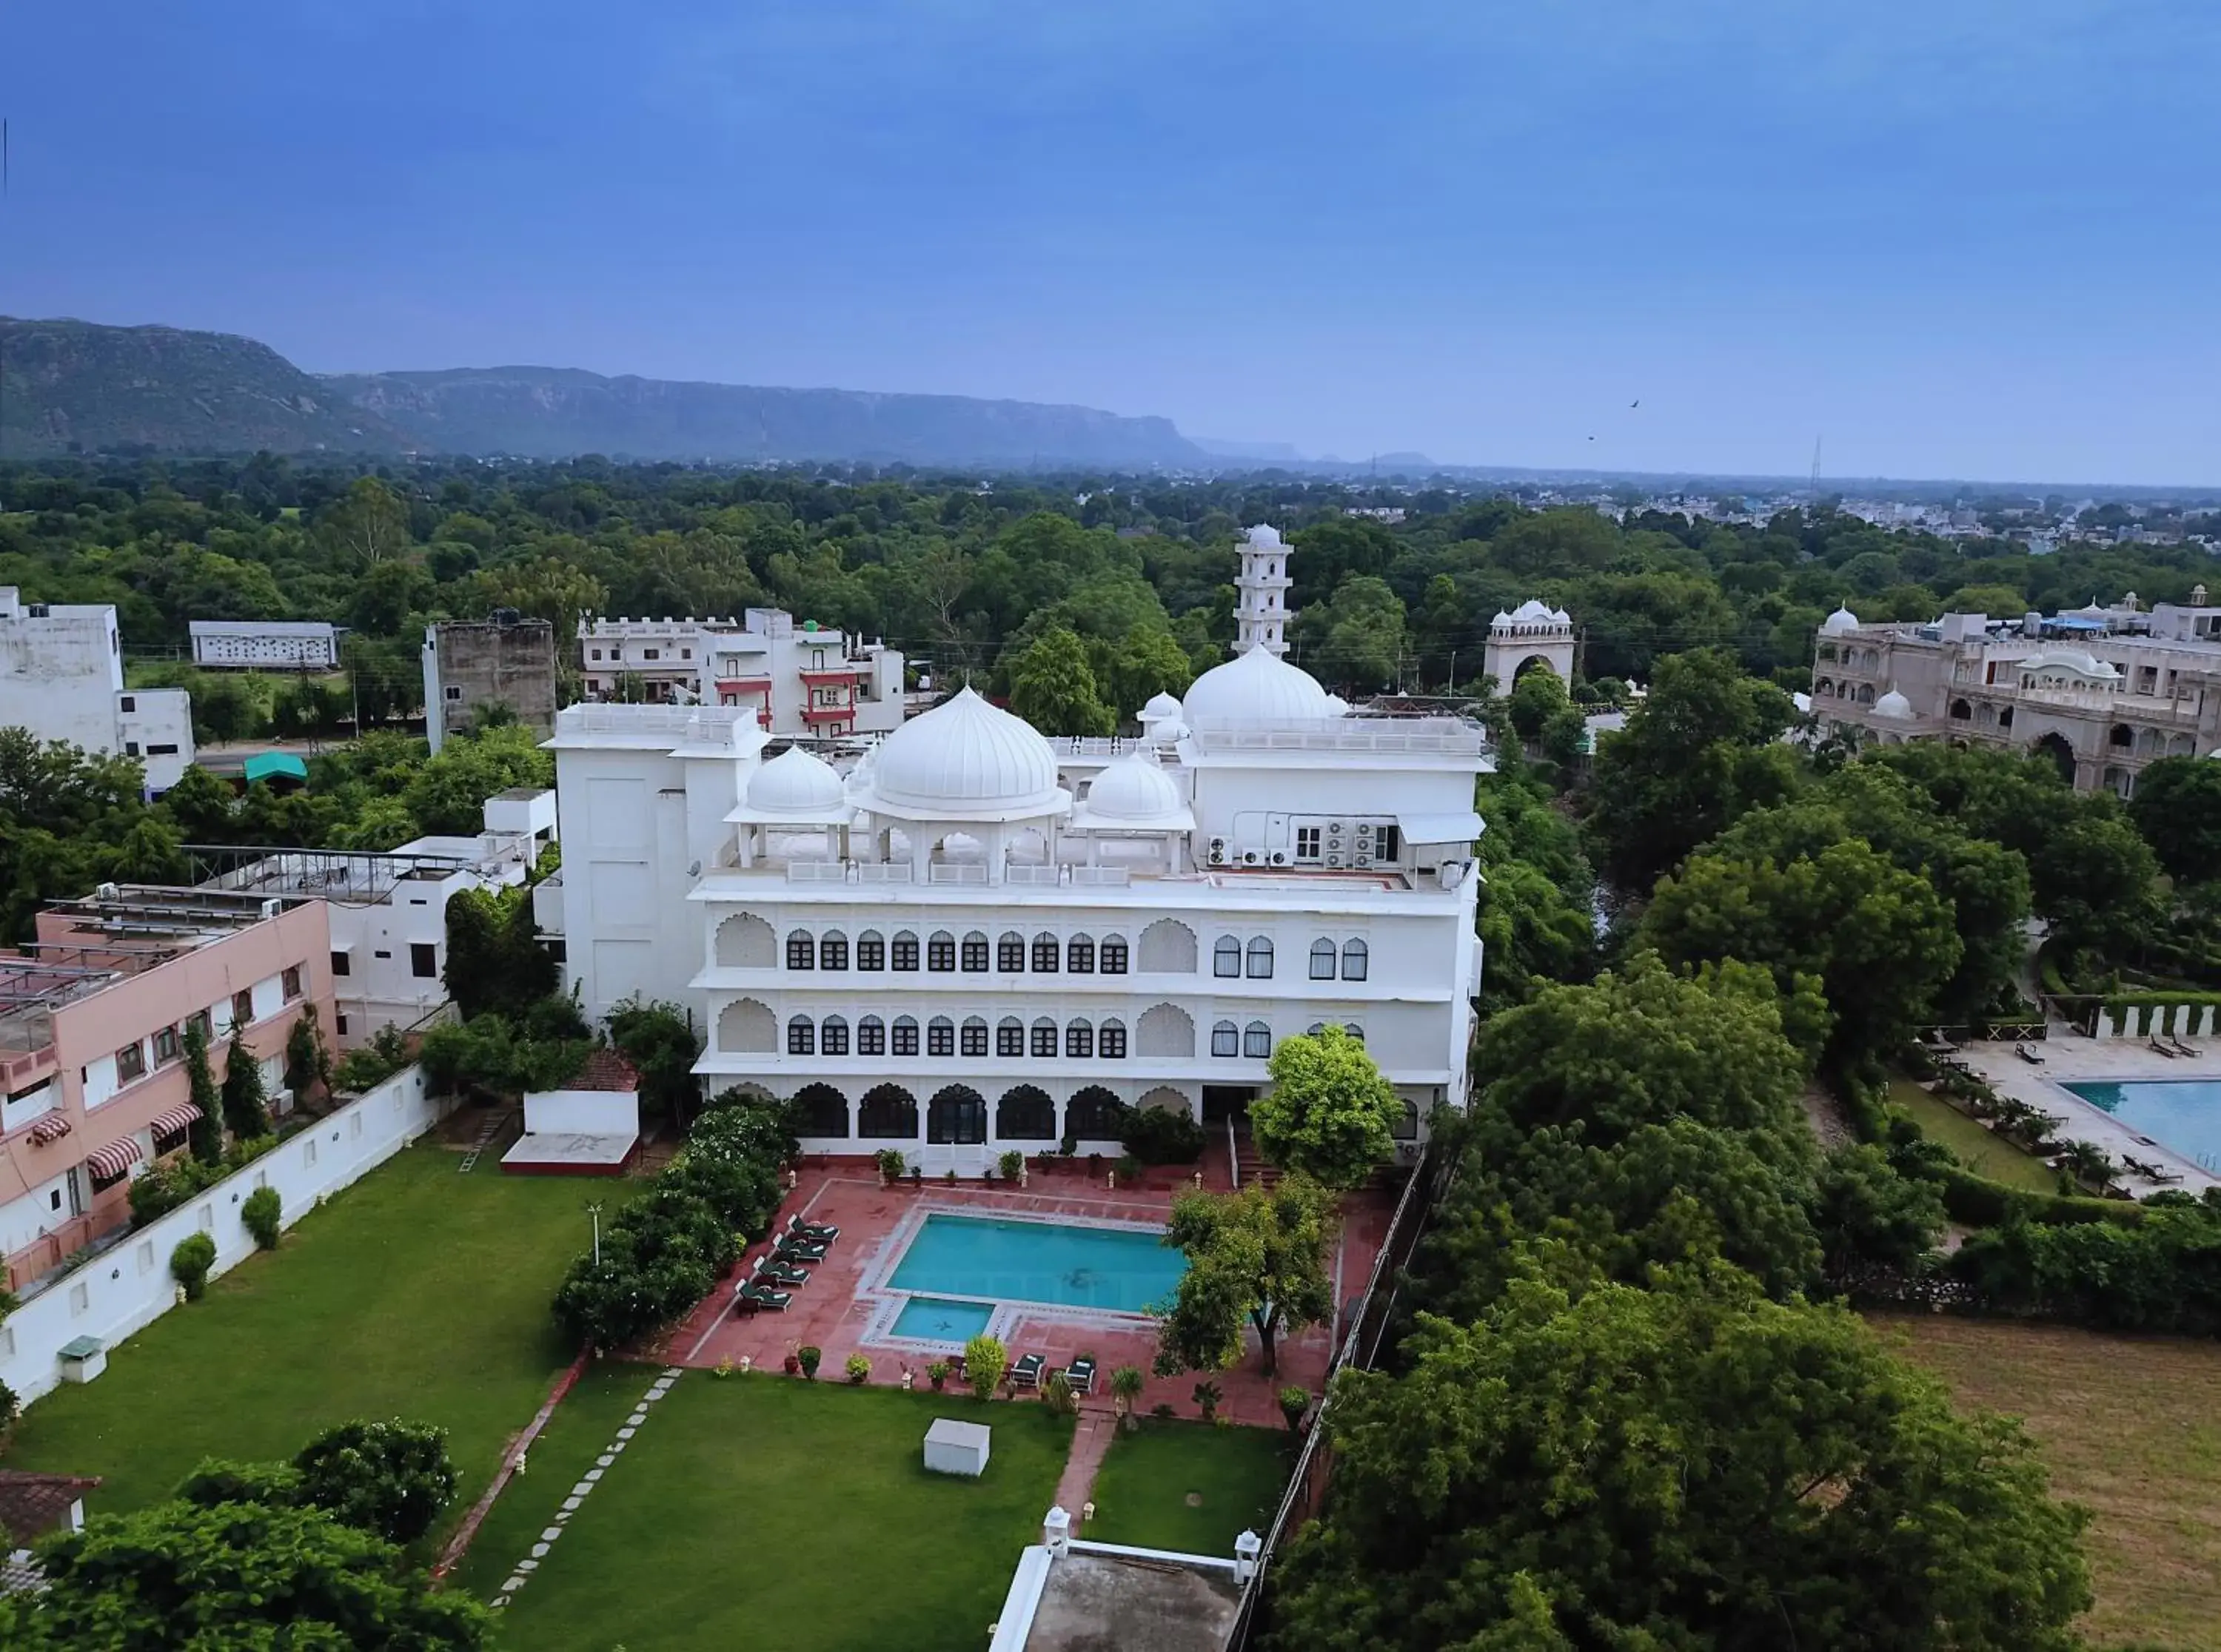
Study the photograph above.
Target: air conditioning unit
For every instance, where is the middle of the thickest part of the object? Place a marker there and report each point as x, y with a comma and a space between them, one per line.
1218, 851
273, 907
1335, 858
281, 1103
1253, 857
1334, 829
1363, 857
1279, 858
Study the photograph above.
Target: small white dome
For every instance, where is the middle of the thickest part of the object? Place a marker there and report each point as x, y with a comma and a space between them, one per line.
1336, 706
1133, 789
1532, 613
967, 757
1255, 687
1893, 704
2075, 661
1163, 708
1837, 623
1263, 537
797, 783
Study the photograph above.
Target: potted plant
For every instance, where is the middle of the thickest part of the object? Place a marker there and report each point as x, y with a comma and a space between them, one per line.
1094, 1167
949, 1175
1294, 1402
917, 1176
890, 1163
811, 1358
1013, 1167
1125, 1390
937, 1374
984, 1361
1207, 1396
858, 1369
791, 1364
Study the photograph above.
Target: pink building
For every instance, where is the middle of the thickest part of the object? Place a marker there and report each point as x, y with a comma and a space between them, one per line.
92, 1023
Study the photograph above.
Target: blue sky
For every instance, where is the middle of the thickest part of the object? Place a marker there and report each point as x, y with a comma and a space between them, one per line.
1954, 238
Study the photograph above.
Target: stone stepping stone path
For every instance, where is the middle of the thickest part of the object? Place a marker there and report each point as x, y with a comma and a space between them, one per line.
521, 1574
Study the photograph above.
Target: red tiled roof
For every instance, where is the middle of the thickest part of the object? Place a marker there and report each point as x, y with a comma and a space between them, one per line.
32, 1504
604, 1069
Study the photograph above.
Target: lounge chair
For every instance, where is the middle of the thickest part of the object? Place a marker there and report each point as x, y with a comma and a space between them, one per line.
2182, 1049
823, 1232
1080, 1376
1026, 1372
2029, 1054
772, 1271
2161, 1048
753, 1296
793, 1249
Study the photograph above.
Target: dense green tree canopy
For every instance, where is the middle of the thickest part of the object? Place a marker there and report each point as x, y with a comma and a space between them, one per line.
1329, 1113
1255, 1257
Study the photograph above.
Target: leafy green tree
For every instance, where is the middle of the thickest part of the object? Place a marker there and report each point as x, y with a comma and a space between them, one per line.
1867, 1215
1532, 935
2177, 808
1676, 1468
246, 1103
659, 1039
1534, 699
366, 526
495, 961
1329, 1114
1053, 687
1355, 638
205, 1133
392, 1479
1258, 1258
1149, 661
448, 795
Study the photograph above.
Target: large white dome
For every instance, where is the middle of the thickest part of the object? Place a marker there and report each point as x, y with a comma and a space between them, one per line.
966, 759
1837, 623
1133, 789
1893, 704
797, 783
1256, 687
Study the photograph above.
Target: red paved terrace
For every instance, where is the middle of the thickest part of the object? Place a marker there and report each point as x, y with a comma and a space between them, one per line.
828, 1314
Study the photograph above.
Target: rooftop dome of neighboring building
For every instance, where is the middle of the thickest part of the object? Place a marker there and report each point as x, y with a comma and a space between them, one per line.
1893, 704
2078, 662
1263, 537
1532, 613
1133, 789
797, 783
1163, 708
966, 758
1256, 687
1841, 620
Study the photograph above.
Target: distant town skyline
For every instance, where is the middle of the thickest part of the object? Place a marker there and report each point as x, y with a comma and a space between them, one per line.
1610, 237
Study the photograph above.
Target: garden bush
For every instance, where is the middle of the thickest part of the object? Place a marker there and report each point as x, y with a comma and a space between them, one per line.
1160, 1136
858, 1369
261, 1212
985, 1359
189, 1263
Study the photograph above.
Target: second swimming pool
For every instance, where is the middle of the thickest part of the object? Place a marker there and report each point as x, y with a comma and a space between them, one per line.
2184, 1114
999, 1259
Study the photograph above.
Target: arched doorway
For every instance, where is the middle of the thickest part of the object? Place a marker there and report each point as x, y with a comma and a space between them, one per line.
820, 1110
889, 1113
1094, 1114
1025, 1114
2057, 748
956, 1117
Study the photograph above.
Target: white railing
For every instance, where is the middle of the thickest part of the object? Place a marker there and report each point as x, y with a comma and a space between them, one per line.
885, 872
946, 872
1033, 874
816, 871
1442, 734
1109, 877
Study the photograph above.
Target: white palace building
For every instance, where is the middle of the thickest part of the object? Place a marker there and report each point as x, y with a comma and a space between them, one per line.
981, 938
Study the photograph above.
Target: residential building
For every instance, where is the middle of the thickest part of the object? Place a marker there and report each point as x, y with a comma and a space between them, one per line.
92, 1024
265, 644
2103, 692
506, 660
389, 909
800, 680
61, 677
981, 938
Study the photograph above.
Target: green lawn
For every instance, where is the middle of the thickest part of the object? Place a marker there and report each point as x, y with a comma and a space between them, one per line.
760, 1512
1981, 1152
1189, 1486
416, 1292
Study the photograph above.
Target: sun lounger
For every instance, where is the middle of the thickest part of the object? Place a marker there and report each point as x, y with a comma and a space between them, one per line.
1080, 1375
797, 1228
812, 1251
2162, 1049
1026, 1371
753, 1296
2029, 1053
771, 1271
2182, 1049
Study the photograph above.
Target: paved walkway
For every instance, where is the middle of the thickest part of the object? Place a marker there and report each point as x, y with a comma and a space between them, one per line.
1091, 1443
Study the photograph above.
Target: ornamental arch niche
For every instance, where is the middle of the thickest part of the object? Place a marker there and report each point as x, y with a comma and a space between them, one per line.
1165, 1098
1164, 1030
746, 1027
746, 942
1167, 947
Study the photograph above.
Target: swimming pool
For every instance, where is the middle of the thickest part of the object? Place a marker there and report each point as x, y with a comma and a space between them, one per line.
2184, 1114
1120, 1271
932, 1320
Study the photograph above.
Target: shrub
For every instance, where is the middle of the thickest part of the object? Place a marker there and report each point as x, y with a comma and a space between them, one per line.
937, 1374
1207, 1396
891, 1163
1294, 1402
260, 1211
985, 1359
365, 1068
1057, 1395
274, 1484
858, 1369
1128, 1168
189, 1263
390, 1478
1011, 1165
156, 1195
9, 1405
246, 1105
810, 1359
1160, 1136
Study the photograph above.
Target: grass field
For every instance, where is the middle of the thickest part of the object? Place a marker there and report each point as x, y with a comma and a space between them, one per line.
2131, 1429
1981, 1152
760, 1512
1190, 1488
416, 1292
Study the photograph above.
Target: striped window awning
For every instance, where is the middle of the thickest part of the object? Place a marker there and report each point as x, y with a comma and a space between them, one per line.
51, 1128
172, 1121
106, 1163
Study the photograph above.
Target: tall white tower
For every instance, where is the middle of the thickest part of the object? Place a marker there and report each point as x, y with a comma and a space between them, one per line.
1262, 614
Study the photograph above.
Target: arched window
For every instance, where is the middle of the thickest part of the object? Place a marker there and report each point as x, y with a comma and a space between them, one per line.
833, 1036
1044, 1037
2005, 717
1314, 1029
975, 1036
1009, 1038
871, 1037
1356, 958
1025, 1114
941, 1036
1225, 1038
1321, 959
1011, 952
975, 953
1094, 1114
905, 949
871, 950
1961, 710
1113, 955
888, 1113
1226, 958
2122, 737
801, 950
1045, 951
1260, 958
1079, 1040
905, 1035
1355, 1029
833, 951
1406, 1128
801, 1036
820, 1110
958, 1116
941, 953
1257, 1040
1079, 955
1110, 1041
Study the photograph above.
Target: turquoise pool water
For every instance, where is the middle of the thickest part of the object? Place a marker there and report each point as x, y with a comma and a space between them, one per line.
2184, 1114
930, 1319
1110, 1269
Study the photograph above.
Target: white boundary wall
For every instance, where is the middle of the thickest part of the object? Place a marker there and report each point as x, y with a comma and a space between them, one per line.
129, 1287
2142, 1020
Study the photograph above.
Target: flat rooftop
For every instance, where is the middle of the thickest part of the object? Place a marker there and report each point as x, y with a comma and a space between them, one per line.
1096, 1602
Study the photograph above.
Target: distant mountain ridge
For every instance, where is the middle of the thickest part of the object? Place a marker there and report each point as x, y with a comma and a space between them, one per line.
74, 385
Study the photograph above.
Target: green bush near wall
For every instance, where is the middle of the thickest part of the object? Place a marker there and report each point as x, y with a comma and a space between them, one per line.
2141, 1015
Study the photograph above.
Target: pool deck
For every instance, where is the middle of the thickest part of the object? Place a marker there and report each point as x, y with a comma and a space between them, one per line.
834, 1311
2074, 1059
